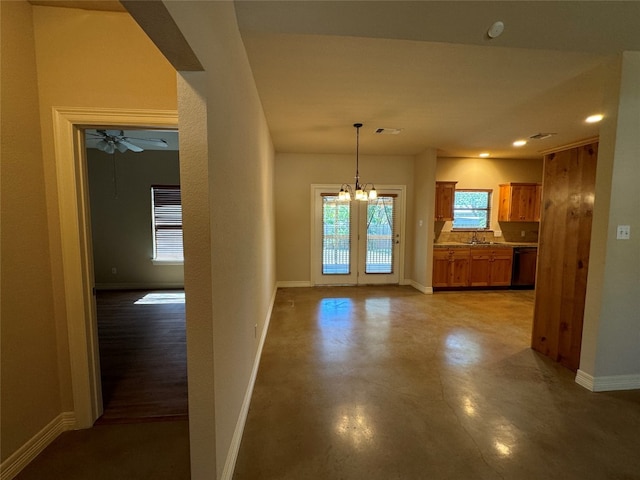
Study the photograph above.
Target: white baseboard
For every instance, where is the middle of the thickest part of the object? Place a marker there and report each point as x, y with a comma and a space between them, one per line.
421, 288
293, 284
36, 444
232, 455
609, 383
303, 283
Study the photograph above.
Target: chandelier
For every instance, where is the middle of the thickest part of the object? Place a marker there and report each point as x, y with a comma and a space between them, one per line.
359, 192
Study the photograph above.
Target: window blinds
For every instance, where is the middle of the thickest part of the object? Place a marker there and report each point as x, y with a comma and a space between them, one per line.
381, 235
167, 223
336, 236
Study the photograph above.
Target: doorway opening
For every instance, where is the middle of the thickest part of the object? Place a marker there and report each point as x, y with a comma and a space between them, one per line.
76, 238
137, 257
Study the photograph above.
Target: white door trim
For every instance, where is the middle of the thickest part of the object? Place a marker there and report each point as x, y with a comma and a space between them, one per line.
315, 188
75, 232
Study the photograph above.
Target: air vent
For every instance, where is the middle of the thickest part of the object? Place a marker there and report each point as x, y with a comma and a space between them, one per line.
541, 136
388, 131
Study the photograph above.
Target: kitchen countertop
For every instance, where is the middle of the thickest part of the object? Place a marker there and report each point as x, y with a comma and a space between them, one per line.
483, 245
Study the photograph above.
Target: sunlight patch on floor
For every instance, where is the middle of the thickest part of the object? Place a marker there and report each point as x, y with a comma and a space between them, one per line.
160, 298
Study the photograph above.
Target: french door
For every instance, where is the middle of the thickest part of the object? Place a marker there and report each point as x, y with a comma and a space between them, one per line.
357, 242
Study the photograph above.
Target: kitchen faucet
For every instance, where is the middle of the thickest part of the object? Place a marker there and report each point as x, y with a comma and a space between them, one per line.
475, 239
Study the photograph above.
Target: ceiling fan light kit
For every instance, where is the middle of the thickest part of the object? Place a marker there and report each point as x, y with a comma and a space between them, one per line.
359, 192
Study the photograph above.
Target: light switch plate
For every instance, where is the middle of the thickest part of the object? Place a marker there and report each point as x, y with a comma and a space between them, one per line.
623, 232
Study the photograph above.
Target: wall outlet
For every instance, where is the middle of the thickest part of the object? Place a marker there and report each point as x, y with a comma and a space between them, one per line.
114, 270
523, 233
623, 232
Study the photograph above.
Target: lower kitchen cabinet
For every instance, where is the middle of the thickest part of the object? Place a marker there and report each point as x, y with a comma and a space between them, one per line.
472, 267
450, 267
490, 267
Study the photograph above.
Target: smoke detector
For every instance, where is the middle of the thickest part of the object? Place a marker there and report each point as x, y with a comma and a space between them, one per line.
388, 131
495, 30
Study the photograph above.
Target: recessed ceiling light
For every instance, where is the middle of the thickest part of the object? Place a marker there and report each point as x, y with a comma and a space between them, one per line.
594, 118
519, 143
484, 154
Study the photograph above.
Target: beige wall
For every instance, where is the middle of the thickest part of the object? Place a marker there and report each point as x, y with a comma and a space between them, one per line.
611, 333
294, 175
489, 173
121, 217
53, 57
30, 384
236, 260
424, 183
72, 72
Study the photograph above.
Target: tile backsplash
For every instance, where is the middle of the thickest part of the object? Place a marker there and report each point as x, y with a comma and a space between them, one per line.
512, 231
509, 232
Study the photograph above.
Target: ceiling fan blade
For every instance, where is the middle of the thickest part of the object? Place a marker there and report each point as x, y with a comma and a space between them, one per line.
156, 142
130, 146
98, 135
113, 133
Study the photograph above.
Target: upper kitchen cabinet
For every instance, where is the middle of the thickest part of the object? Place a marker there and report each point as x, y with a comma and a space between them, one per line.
445, 196
519, 202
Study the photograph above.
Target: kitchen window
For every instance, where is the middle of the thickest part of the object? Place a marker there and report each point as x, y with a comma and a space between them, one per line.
472, 209
167, 224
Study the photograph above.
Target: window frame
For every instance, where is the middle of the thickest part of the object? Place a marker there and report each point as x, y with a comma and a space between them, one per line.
489, 191
170, 226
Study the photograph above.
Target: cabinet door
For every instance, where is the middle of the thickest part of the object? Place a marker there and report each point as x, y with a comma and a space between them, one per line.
459, 268
519, 202
445, 196
500, 270
523, 203
536, 211
440, 268
479, 267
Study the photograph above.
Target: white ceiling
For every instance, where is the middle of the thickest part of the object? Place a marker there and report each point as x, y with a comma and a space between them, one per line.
430, 69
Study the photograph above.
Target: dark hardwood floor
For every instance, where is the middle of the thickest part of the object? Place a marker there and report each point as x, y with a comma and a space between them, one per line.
143, 357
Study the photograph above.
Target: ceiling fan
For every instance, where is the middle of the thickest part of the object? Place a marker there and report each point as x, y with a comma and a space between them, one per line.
111, 140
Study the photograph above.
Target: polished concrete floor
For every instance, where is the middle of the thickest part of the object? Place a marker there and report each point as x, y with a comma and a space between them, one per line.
133, 451
370, 383
387, 383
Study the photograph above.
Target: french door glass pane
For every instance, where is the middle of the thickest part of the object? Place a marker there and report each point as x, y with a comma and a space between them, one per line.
380, 216
336, 236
